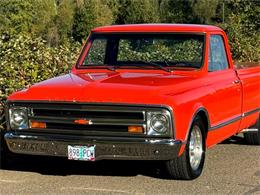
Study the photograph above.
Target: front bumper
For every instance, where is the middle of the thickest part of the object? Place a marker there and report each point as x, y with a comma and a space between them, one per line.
106, 148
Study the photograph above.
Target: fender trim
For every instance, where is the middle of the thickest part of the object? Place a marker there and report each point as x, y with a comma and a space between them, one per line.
192, 119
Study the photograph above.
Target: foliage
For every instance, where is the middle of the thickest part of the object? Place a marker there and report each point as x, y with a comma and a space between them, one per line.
16, 15
96, 54
243, 30
41, 38
30, 17
205, 10
161, 50
136, 11
177, 11
90, 14
24, 61
2, 115
64, 19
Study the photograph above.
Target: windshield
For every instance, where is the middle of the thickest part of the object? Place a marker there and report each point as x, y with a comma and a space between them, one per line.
169, 50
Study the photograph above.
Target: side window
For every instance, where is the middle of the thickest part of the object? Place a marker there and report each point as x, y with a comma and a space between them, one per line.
217, 54
96, 53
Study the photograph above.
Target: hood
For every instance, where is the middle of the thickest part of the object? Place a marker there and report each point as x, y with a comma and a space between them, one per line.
116, 87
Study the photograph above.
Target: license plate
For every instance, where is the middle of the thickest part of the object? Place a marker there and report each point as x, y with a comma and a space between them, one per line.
84, 153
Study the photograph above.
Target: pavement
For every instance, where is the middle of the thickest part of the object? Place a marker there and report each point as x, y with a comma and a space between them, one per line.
232, 167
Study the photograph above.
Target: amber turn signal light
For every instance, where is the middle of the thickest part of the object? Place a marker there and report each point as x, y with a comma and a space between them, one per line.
135, 129
35, 124
82, 122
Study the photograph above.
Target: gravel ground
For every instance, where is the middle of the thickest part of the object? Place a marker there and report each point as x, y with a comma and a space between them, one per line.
232, 167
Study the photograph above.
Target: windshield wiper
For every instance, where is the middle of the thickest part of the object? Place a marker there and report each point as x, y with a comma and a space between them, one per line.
155, 65
103, 66
184, 65
114, 67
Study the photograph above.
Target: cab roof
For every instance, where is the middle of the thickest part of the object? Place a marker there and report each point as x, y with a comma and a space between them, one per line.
158, 28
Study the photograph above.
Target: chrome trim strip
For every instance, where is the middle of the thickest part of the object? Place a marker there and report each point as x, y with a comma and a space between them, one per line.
56, 132
249, 130
95, 121
90, 103
225, 123
245, 114
251, 112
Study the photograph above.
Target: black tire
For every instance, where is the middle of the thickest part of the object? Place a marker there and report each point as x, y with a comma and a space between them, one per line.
253, 138
7, 158
2, 141
181, 168
2, 151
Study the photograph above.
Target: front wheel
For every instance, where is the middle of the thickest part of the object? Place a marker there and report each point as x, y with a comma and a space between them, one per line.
2, 151
6, 157
190, 164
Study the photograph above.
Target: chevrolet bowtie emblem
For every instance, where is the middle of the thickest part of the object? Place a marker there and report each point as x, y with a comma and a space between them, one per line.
83, 121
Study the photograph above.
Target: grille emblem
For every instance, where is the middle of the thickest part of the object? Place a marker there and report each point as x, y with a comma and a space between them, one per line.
83, 121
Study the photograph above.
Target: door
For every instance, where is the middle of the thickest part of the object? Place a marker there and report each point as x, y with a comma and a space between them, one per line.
227, 87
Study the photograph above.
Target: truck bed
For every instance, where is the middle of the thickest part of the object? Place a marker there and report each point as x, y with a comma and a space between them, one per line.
249, 74
243, 65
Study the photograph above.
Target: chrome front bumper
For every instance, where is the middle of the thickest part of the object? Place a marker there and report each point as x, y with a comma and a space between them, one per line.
106, 148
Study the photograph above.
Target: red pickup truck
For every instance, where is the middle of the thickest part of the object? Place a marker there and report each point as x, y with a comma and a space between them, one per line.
139, 92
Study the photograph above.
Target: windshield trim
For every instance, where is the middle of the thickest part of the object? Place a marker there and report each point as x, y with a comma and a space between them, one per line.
86, 47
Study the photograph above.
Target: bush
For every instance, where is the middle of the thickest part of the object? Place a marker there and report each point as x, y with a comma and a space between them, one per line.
25, 61
2, 116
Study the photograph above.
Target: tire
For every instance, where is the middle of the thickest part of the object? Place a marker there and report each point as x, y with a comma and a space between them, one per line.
190, 164
253, 138
2, 151
2, 141
6, 157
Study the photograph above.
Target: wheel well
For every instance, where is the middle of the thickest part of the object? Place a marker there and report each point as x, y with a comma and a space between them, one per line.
204, 118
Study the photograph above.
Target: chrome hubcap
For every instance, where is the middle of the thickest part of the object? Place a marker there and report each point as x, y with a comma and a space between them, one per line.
195, 147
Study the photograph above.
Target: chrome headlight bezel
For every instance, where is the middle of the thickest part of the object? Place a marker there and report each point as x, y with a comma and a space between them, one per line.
17, 112
163, 119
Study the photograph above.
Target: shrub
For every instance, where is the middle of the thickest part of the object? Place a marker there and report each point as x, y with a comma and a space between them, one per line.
25, 60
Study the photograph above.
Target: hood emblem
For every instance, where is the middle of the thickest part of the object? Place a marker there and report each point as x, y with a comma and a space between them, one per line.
83, 121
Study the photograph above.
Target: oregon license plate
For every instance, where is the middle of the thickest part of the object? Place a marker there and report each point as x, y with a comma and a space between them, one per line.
84, 153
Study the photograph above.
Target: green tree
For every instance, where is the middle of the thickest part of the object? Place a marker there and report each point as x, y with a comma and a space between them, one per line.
90, 14
64, 18
177, 11
146, 11
136, 11
33, 17
242, 27
44, 21
16, 16
205, 10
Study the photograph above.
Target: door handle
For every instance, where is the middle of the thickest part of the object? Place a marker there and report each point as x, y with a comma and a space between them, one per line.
236, 81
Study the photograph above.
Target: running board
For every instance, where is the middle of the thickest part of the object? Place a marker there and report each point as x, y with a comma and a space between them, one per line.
249, 130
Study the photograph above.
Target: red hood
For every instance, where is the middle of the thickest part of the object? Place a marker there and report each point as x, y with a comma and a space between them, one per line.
115, 87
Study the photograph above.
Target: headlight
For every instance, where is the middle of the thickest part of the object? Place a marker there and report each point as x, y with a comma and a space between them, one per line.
18, 118
158, 123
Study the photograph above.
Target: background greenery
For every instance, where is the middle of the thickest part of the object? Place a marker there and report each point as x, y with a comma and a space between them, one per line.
40, 39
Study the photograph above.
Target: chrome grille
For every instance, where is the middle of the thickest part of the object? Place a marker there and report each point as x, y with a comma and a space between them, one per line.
105, 120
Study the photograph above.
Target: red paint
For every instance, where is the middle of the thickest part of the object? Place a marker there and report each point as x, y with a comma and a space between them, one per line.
185, 91
181, 149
